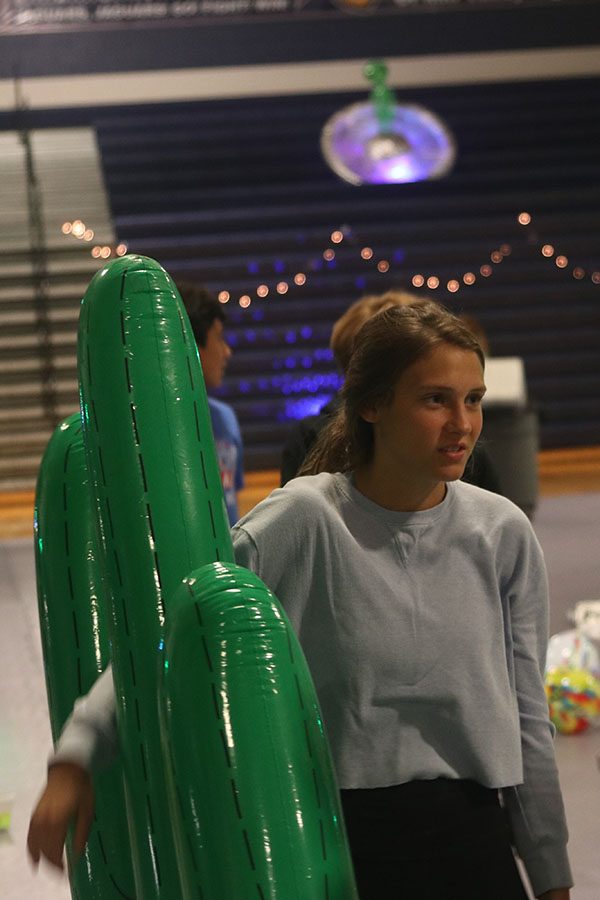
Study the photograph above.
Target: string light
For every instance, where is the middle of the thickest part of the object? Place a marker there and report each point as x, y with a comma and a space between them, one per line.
78, 229
452, 285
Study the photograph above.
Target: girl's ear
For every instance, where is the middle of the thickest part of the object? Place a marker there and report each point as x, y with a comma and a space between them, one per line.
370, 414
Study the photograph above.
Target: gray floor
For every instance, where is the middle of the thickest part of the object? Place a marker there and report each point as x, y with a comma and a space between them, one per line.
569, 530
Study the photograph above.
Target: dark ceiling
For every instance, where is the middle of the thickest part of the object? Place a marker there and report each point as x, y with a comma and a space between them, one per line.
307, 34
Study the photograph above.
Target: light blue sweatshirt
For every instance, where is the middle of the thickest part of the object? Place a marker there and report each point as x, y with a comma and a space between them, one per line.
425, 633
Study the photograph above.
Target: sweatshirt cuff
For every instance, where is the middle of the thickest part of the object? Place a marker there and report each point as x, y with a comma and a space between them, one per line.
75, 746
549, 869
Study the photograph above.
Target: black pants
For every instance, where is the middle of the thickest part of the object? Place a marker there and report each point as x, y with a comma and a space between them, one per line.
431, 840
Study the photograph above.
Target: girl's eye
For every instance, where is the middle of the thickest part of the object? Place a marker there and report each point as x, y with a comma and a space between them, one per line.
474, 399
435, 398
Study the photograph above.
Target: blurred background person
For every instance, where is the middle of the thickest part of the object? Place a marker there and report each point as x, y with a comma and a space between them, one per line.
207, 318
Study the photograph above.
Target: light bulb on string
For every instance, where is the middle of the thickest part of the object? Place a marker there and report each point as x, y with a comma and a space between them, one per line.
368, 254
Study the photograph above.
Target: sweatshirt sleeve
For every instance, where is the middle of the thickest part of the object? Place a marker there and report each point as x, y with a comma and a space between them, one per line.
535, 807
89, 736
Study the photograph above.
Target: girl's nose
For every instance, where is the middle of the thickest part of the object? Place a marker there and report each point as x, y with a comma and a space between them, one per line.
460, 421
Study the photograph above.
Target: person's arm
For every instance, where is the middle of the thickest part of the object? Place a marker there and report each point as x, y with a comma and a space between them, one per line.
68, 797
88, 741
535, 807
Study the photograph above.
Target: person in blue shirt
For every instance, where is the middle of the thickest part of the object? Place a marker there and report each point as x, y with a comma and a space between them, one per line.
207, 318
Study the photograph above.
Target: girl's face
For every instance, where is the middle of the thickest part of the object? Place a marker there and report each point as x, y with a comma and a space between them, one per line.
426, 434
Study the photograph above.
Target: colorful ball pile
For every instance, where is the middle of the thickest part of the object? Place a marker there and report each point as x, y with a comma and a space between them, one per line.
573, 698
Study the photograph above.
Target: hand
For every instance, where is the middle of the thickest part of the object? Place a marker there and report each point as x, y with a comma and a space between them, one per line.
556, 894
69, 795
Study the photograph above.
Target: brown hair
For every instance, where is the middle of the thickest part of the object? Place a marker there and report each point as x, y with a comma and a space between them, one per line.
347, 326
476, 328
386, 345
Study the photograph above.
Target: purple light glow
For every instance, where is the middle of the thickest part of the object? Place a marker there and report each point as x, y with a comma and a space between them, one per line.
415, 146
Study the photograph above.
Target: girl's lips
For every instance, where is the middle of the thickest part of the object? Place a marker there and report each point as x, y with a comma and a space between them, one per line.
455, 452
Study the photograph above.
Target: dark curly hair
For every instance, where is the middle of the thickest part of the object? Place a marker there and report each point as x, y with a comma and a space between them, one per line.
202, 308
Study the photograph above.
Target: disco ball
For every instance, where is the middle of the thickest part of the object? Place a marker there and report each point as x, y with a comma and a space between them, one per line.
412, 145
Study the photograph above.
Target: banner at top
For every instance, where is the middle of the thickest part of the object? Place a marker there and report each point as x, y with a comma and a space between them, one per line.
30, 15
